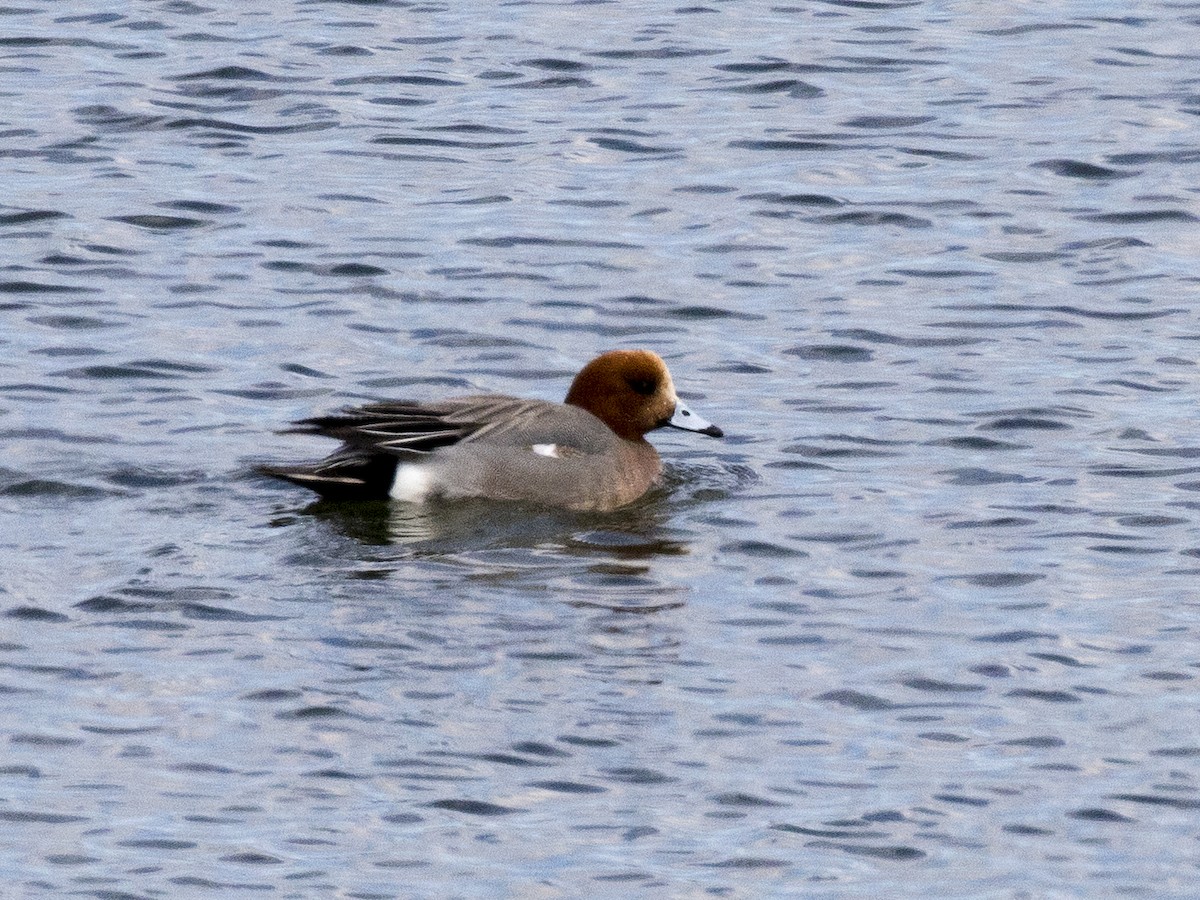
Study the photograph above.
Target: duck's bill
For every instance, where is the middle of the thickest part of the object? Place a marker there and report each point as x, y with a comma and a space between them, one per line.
687, 420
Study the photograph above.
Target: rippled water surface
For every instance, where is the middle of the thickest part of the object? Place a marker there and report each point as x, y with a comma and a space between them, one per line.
923, 624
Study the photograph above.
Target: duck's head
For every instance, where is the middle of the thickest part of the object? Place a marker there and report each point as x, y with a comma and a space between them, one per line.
631, 392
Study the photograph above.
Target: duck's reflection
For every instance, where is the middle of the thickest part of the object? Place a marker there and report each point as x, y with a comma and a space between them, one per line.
636, 531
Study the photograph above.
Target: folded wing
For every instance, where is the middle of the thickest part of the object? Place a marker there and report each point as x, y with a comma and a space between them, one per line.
376, 437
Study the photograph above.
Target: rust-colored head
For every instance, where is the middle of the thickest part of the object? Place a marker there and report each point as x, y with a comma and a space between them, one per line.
631, 392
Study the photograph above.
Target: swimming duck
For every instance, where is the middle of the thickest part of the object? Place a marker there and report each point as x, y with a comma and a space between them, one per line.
587, 453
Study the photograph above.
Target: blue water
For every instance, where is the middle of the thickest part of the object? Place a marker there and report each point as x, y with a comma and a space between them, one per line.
923, 624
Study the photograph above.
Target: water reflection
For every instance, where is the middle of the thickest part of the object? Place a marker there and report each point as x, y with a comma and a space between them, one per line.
623, 562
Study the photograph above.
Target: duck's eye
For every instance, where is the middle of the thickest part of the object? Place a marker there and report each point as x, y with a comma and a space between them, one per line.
644, 386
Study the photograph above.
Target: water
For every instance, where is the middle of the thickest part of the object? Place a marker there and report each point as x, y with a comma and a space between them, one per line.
923, 624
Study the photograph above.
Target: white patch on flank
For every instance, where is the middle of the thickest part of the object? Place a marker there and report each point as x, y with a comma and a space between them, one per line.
412, 483
550, 450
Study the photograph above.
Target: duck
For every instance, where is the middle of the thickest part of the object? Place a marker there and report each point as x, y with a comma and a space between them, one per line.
587, 453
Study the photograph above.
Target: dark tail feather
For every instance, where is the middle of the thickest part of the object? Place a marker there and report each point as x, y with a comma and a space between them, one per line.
367, 479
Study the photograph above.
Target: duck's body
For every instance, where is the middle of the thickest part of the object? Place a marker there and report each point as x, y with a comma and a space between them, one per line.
586, 453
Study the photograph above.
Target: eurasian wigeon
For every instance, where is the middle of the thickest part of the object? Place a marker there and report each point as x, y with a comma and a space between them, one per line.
587, 453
